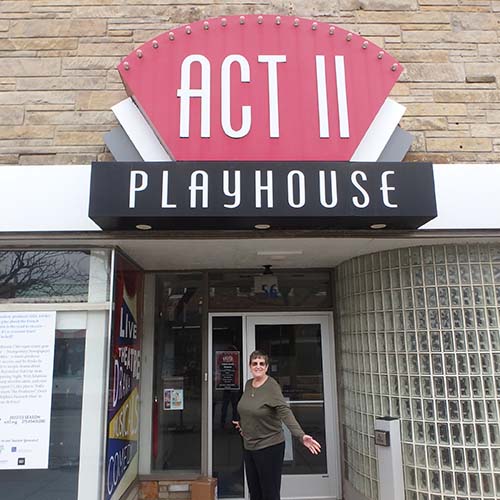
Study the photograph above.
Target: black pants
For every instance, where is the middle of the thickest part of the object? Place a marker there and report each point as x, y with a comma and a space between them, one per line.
263, 468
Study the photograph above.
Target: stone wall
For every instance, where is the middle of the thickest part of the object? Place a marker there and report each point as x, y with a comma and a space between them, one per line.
58, 77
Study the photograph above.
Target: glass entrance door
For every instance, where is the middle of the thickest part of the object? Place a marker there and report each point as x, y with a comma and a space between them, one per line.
226, 453
301, 360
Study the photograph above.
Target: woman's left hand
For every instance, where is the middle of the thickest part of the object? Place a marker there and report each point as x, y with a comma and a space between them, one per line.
311, 444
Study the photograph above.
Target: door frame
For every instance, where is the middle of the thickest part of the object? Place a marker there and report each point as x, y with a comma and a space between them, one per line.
332, 430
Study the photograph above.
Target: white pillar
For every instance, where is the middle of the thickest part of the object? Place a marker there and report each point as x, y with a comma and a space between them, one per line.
390, 460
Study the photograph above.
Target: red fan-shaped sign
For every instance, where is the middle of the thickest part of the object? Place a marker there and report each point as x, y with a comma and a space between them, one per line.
259, 88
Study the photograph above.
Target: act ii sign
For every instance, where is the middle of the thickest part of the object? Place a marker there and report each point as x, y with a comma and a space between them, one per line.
260, 88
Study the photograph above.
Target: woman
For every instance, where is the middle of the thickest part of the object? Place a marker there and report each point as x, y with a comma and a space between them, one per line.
262, 409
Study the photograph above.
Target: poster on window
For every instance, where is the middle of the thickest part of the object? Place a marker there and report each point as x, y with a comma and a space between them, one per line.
173, 399
26, 368
123, 393
227, 370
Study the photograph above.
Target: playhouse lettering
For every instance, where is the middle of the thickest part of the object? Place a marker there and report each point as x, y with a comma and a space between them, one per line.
296, 189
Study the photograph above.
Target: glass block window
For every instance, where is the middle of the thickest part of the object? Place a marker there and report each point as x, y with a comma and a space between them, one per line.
419, 334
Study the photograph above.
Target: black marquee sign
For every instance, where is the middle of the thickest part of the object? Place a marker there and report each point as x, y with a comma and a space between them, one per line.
240, 195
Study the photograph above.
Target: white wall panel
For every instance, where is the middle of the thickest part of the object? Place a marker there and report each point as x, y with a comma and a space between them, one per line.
45, 198
468, 197
56, 197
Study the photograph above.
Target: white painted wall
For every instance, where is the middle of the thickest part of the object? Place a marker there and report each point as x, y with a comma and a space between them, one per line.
45, 198
468, 197
56, 197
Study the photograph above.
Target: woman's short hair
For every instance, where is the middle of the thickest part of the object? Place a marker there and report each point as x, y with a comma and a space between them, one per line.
258, 354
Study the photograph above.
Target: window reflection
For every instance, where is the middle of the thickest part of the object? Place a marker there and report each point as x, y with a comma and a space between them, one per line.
295, 361
227, 385
236, 290
177, 382
295, 358
44, 276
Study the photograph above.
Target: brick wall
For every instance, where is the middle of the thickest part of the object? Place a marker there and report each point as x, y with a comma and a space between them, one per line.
155, 489
58, 77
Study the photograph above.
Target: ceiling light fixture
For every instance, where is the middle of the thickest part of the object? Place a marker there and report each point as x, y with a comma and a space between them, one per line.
144, 227
378, 226
267, 270
269, 253
262, 226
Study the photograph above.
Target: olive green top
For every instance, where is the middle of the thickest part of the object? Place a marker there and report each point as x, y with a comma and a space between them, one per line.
262, 410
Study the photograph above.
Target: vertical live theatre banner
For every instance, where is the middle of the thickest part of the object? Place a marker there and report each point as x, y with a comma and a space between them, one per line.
123, 392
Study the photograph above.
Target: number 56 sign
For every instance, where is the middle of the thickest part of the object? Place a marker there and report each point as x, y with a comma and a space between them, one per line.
267, 284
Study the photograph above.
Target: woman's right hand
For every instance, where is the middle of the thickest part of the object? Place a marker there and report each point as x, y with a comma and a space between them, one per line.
237, 426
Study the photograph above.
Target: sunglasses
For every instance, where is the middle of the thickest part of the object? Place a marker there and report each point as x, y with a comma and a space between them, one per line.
258, 363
